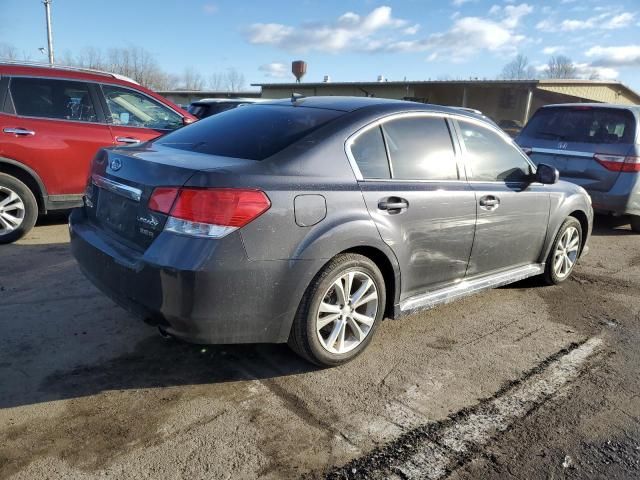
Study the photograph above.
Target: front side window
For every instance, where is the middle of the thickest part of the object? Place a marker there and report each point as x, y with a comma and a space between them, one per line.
369, 152
133, 109
47, 98
420, 148
491, 157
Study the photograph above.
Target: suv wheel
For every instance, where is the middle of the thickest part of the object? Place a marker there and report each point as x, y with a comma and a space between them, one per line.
340, 311
635, 223
18, 209
564, 252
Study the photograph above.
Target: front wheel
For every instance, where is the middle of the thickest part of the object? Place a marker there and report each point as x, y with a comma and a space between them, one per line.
564, 252
18, 209
340, 311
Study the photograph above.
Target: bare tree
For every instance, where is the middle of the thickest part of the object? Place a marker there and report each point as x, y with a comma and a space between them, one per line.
217, 82
560, 67
518, 69
192, 80
234, 80
8, 52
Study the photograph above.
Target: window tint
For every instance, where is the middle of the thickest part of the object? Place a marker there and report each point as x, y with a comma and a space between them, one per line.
130, 108
370, 154
254, 132
491, 157
62, 99
582, 124
420, 148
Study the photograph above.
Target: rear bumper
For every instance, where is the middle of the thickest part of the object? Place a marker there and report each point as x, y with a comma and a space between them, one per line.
199, 290
622, 199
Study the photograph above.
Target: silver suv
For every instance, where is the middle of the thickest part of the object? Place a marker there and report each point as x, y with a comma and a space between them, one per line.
595, 146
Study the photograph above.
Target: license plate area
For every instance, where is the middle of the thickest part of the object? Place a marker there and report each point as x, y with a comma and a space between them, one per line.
117, 213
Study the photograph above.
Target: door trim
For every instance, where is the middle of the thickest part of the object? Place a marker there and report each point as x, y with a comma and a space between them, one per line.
469, 287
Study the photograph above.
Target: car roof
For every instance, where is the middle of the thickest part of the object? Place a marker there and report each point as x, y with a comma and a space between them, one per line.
619, 106
46, 70
351, 104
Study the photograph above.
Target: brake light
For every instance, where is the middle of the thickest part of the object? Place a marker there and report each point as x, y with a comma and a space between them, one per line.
618, 163
213, 213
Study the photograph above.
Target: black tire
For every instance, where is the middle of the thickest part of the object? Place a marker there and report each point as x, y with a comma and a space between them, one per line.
635, 223
550, 275
7, 182
303, 338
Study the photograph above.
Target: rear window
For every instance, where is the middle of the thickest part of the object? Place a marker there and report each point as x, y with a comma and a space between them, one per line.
582, 124
253, 132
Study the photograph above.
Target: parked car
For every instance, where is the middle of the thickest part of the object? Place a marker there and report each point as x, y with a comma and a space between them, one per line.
595, 146
53, 121
211, 106
308, 220
511, 127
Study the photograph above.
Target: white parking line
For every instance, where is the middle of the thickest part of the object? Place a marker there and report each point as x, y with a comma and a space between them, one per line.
435, 456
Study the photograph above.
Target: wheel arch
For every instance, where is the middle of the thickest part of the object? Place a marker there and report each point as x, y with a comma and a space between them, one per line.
29, 177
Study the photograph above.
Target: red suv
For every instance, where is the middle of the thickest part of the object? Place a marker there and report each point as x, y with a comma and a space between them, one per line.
52, 122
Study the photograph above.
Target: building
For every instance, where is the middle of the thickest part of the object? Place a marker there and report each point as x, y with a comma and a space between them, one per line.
499, 99
185, 97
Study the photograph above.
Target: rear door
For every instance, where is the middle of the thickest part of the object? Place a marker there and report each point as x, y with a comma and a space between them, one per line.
512, 212
579, 140
414, 190
135, 117
54, 127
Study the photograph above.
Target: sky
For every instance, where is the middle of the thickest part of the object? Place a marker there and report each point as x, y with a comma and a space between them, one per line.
349, 40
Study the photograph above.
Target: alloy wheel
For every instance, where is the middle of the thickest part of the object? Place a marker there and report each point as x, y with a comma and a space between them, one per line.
12, 211
347, 312
566, 252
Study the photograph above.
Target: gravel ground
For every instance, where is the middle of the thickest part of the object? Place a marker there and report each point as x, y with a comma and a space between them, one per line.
90, 392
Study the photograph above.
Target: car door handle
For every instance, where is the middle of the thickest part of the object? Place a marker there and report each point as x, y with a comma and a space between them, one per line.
393, 204
127, 140
20, 132
489, 202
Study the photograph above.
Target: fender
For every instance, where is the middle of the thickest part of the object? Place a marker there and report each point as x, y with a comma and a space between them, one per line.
42, 194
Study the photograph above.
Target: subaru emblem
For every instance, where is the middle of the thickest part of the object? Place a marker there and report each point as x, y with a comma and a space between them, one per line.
116, 164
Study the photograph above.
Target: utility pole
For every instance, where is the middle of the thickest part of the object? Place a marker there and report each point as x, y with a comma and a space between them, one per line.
47, 9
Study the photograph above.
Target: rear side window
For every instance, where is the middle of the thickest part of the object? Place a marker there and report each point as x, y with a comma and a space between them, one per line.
582, 124
492, 158
47, 98
370, 154
252, 132
420, 148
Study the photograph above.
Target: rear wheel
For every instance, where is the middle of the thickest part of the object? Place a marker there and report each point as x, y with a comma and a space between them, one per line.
18, 209
564, 252
340, 311
635, 223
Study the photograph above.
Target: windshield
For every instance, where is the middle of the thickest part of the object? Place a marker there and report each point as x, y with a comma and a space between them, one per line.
582, 124
254, 132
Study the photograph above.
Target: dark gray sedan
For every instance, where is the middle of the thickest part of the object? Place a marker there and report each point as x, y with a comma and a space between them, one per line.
309, 220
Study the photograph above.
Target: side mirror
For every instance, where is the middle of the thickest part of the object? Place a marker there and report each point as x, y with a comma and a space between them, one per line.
187, 120
547, 174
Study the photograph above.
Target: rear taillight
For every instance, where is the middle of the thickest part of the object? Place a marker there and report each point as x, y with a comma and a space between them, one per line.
618, 163
212, 213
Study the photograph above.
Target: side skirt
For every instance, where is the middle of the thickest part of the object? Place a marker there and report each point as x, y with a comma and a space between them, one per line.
469, 287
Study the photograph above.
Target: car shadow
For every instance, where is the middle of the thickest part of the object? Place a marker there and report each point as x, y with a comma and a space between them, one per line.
68, 340
609, 226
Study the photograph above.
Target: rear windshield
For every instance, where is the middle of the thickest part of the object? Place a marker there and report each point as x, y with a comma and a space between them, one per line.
582, 124
254, 132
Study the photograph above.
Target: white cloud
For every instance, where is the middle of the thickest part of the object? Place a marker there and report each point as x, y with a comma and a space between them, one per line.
604, 21
621, 56
586, 70
349, 32
459, 3
551, 50
210, 8
275, 70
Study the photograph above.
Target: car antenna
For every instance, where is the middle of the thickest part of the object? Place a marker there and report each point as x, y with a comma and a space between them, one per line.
296, 96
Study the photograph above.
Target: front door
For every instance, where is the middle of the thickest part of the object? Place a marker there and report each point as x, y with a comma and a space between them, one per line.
422, 206
136, 117
512, 211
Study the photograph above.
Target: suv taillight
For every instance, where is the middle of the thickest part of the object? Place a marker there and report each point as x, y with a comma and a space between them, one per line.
213, 212
618, 163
